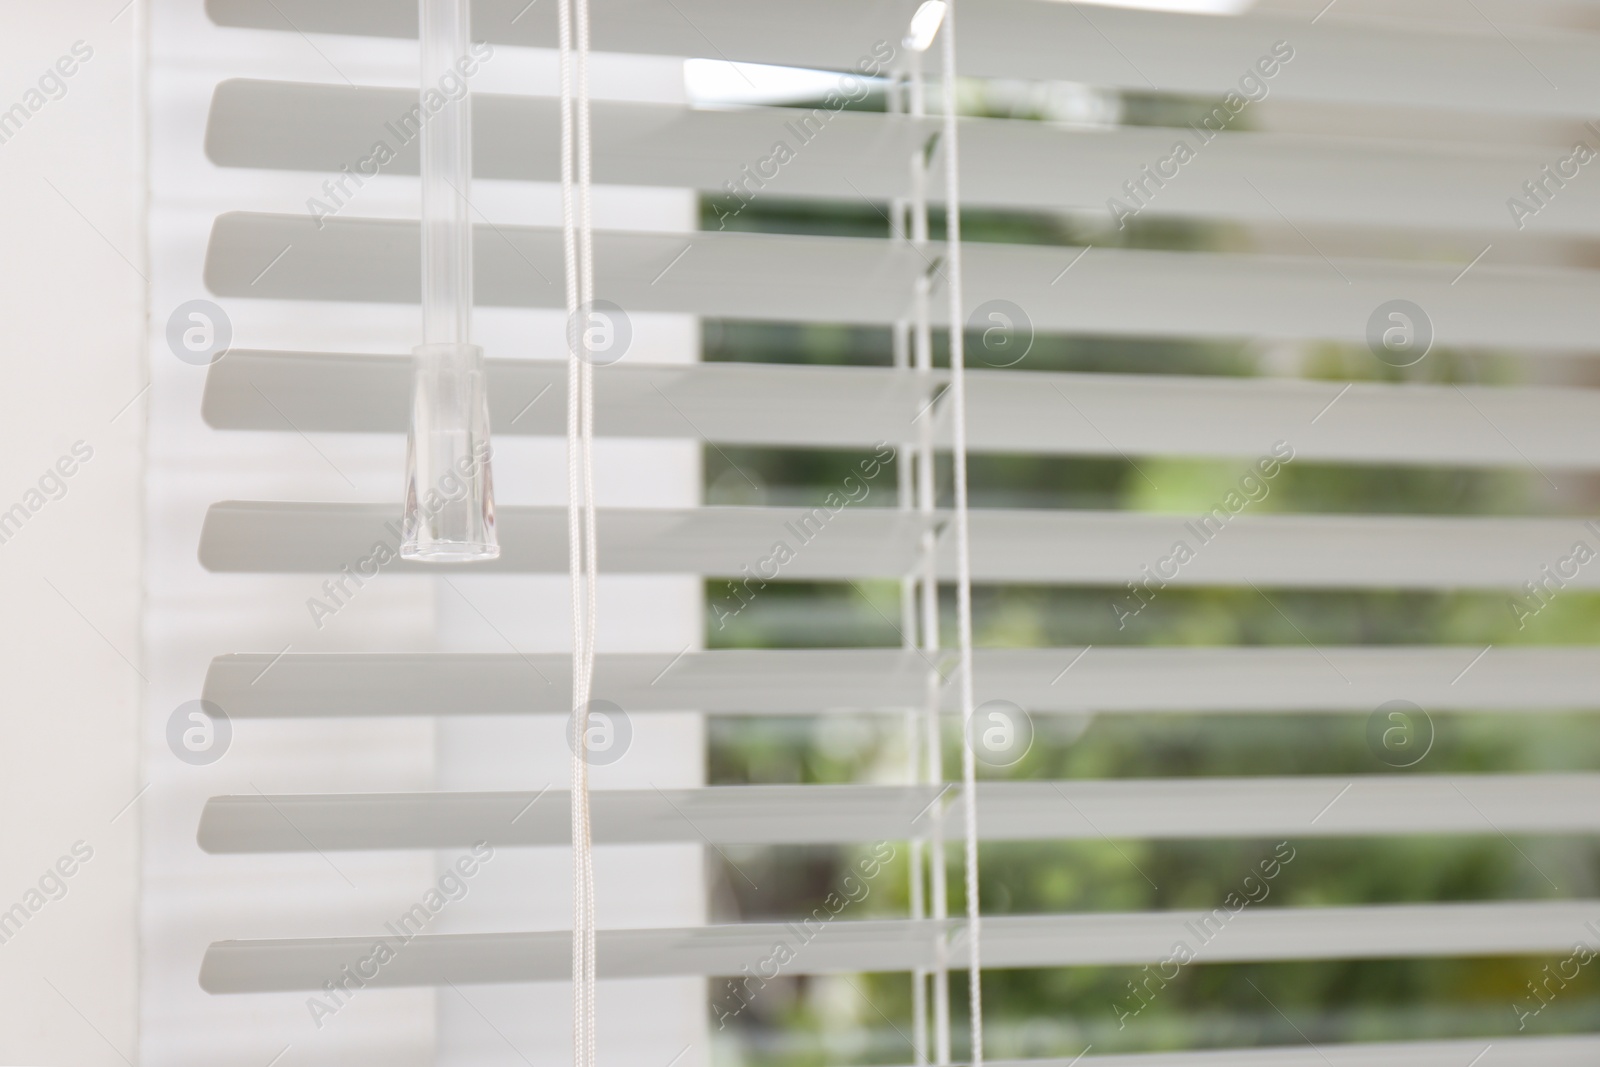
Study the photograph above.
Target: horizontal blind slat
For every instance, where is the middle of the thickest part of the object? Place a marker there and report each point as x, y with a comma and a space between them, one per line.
1036, 546
1579, 1051
1252, 934
805, 681
1330, 181
1156, 809
1366, 62
1007, 411
867, 281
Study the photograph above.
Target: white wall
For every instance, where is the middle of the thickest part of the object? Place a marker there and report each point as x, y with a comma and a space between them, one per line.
72, 305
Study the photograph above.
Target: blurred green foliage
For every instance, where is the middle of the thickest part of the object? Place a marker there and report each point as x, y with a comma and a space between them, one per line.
808, 1022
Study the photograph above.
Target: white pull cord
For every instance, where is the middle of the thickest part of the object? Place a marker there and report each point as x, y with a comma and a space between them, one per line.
902, 212
577, 239
922, 612
582, 562
958, 405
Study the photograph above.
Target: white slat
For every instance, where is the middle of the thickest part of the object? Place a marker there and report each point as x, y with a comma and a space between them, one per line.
805, 681
1254, 934
1007, 411
1498, 1051
1040, 546
1164, 809
867, 281
1332, 181
1517, 71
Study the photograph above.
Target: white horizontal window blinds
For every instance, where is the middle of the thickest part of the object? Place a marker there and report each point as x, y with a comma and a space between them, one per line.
365, 604
1279, 452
